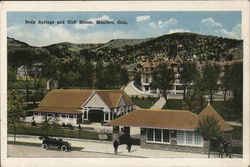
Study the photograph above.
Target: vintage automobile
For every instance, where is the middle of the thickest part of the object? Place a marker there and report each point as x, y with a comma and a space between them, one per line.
49, 142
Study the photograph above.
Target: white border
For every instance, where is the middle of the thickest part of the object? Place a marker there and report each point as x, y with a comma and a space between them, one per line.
124, 6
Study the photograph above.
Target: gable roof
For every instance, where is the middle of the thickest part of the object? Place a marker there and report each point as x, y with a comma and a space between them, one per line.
71, 98
74, 98
168, 119
147, 118
210, 111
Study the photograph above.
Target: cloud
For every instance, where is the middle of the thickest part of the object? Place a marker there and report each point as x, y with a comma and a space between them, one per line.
235, 33
177, 30
163, 24
142, 18
211, 27
93, 20
210, 22
49, 34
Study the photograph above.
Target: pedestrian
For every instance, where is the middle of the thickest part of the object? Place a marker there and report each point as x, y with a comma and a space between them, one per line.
129, 144
221, 150
225, 148
229, 149
115, 144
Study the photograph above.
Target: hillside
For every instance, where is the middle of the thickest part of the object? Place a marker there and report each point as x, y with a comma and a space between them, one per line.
128, 51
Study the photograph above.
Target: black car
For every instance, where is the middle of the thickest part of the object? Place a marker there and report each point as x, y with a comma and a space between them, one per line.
53, 142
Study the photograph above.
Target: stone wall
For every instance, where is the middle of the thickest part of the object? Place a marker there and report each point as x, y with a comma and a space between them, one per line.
172, 146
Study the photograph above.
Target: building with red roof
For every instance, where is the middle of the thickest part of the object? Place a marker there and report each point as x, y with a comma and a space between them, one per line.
173, 130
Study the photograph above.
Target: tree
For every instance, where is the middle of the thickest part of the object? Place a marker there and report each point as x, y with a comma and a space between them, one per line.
37, 77
99, 78
235, 105
15, 110
210, 130
163, 78
187, 75
87, 75
137, 79
225, 81
195, 100
123, 76
111, 75
210, 77
26, 81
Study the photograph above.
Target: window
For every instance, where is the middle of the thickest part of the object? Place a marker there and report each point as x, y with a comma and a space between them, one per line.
189, 138
166, 136
150, 135
180, 137
158, 135
63, 116
198, 138
71, 116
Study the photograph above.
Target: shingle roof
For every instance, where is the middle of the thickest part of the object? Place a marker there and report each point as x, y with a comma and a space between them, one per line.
171, 119
68, 100
210, 111
72, 98
168, 119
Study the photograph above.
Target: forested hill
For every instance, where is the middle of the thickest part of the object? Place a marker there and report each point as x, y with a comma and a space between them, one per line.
133, 50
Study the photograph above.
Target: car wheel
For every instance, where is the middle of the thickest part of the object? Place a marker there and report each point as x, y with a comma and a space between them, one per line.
64, 148
45, 146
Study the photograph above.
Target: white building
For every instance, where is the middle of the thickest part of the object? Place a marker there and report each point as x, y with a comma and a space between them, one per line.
79, 106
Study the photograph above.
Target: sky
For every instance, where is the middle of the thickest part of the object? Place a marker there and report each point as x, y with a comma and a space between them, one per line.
138, 25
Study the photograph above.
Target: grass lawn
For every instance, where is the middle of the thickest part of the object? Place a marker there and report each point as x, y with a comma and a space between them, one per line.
144, 103
59, 132
176, 104
237, 133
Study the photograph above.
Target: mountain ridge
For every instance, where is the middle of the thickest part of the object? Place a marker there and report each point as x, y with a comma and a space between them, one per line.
187, 44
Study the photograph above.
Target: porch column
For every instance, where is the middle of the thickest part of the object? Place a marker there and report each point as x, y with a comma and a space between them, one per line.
115, 112
109, 115
83, 116
87, 114
104, 114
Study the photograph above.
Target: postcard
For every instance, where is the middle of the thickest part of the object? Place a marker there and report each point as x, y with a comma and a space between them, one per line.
125, 83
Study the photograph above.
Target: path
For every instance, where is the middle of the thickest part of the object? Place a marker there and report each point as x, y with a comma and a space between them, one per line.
107, 148
159, 104
129, 89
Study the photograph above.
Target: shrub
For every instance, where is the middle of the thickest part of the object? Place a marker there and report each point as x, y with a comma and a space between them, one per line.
70, 126
33, 123
63, 125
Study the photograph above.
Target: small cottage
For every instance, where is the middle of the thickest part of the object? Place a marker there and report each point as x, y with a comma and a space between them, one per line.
173, 130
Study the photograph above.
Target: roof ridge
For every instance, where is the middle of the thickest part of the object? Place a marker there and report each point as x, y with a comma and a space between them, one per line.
167, 110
